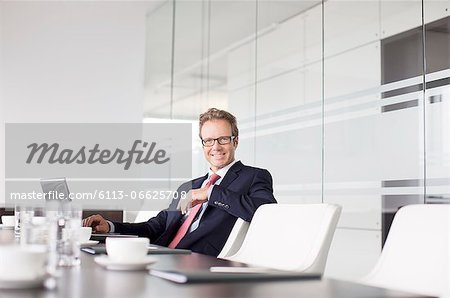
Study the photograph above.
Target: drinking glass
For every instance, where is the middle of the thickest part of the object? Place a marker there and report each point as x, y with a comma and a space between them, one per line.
17, 221
65, 226
33, 226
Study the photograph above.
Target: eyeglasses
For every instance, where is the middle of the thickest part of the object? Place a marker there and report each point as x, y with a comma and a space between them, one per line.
221, 140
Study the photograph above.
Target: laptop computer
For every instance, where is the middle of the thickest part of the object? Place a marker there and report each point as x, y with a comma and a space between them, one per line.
55, 189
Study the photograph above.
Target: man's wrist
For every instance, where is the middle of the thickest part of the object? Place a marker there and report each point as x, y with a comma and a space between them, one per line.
112, 228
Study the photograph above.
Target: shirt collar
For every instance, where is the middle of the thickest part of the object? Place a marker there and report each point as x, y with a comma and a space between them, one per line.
223, 171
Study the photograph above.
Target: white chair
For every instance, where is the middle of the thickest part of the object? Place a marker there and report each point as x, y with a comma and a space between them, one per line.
143, 216
235, 240
289, 237
416, 255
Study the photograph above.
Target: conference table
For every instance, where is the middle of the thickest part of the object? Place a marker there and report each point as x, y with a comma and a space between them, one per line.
91, 280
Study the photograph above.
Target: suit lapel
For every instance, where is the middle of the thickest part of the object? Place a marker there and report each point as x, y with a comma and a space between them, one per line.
231, 175
197, 183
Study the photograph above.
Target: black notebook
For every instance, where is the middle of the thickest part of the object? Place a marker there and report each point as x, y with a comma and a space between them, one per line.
206, 276
102, 237
152, 250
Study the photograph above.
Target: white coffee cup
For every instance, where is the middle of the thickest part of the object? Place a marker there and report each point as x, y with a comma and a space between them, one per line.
127, 249
8, 220
84, 234
22, 262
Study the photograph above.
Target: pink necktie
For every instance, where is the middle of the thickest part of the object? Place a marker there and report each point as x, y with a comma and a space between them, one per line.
187, 223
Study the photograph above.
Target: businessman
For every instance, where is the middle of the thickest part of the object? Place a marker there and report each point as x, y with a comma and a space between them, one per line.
203, 221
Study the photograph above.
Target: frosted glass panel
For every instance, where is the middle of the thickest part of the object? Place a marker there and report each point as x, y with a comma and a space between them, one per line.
278, 22
289, 99
232, 68
343, 74
295, 163
373, 133
242, 103
350, 24
437, 101
399, 16
189, 65
329, 98
352, 172
353, 253
158, 62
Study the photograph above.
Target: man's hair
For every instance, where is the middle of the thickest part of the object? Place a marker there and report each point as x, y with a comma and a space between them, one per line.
216, 114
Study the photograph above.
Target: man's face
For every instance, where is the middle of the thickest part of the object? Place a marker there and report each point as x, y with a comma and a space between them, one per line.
218, 156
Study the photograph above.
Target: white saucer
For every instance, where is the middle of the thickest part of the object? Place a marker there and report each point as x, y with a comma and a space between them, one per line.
23, 284
89, 243
106, 262
3, 227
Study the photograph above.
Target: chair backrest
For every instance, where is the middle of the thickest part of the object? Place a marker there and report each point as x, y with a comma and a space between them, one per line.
290, 237
143, 216
235, 240
416, 255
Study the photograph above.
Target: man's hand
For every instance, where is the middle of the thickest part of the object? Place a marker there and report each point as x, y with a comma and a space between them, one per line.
194, 197
97, 222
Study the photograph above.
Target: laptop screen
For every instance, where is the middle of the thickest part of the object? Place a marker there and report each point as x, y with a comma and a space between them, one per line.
55, 189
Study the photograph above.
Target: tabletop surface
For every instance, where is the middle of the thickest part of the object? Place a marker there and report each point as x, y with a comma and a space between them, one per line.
91, 280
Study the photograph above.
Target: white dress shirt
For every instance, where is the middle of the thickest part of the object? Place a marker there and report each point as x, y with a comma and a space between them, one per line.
222, 172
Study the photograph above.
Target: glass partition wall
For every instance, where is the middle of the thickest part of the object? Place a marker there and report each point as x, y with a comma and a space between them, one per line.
345, 102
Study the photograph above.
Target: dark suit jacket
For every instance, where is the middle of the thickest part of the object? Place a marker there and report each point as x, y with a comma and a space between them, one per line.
241, 192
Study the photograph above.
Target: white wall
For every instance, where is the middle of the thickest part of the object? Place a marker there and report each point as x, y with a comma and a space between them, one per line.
71, 62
